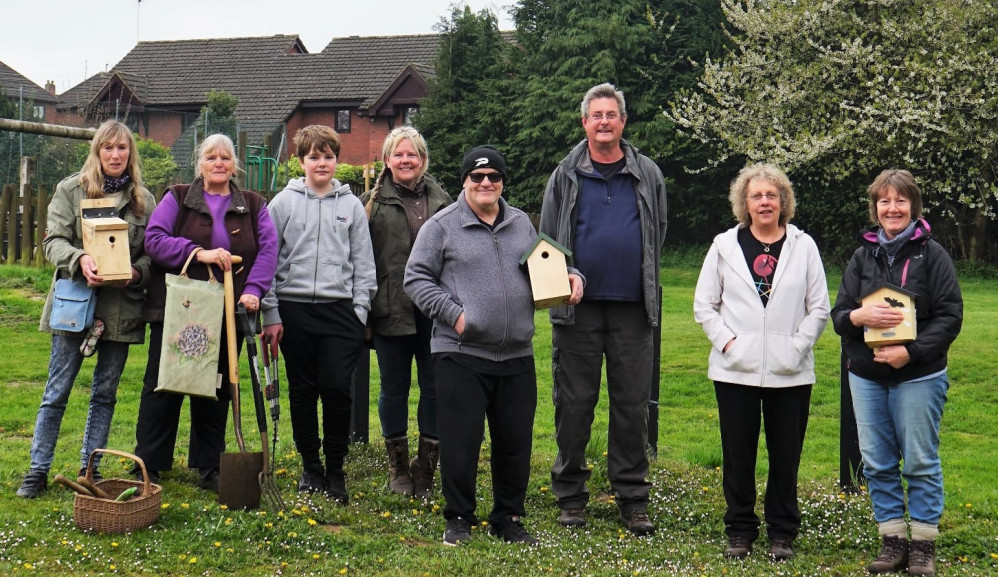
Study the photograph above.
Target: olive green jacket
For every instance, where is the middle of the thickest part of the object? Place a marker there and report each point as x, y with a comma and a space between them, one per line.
119, 307
392, 312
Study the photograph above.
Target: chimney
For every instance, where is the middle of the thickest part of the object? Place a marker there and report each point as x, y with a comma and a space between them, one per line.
50, 87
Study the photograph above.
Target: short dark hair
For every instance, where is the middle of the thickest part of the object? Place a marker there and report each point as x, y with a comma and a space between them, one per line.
904, 183
318, 137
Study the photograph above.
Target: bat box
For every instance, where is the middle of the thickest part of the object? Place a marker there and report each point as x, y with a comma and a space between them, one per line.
105, 237
547, 267
898, 298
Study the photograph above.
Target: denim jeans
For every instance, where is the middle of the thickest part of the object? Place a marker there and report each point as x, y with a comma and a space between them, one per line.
64, 365
901, 423
395, 355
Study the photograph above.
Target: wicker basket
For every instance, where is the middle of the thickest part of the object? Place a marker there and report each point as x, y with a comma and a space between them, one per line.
110, 516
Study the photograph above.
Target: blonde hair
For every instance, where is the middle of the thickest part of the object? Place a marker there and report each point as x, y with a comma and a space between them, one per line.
394, 138
215, 143
738, 195
92, 173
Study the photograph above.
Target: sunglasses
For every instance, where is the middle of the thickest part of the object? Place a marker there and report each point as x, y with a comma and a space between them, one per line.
478, 177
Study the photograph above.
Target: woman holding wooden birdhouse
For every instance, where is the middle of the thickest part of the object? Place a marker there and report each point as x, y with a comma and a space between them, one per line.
111, 172
898, 390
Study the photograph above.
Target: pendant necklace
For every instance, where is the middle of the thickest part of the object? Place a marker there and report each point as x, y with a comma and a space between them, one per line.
765, 247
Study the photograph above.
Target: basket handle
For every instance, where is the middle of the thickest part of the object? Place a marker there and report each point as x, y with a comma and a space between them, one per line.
142, 466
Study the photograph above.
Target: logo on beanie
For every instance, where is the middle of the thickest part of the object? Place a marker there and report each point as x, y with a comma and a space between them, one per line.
480, 162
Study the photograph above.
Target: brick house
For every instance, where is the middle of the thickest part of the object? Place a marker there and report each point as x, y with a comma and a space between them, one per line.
361, 86
15, 86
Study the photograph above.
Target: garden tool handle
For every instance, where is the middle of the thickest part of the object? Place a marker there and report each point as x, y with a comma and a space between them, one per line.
233, 351
230, 322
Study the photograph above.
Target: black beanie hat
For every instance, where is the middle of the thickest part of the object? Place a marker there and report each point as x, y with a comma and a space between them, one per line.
483, 157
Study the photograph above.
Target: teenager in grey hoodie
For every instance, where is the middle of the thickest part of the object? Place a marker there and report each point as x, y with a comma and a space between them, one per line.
464, 274
318, 305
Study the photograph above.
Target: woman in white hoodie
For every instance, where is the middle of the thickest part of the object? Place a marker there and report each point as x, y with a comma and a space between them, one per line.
762, 300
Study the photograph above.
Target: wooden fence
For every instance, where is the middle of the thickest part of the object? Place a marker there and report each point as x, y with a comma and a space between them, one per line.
22, 224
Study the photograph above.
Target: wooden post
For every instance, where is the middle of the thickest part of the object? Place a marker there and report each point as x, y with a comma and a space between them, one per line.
41, 209
27, 174
360, 425
241, 153
265, 176
7, 226
851, 476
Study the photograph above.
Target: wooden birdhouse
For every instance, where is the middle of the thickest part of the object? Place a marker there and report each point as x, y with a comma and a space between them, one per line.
898, 298
105, 237
547, 267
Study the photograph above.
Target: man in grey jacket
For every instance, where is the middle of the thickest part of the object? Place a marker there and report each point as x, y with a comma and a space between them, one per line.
606, 203
464, 274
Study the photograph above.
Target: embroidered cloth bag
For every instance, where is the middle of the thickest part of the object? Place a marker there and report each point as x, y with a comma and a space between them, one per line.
192, 334
73, 305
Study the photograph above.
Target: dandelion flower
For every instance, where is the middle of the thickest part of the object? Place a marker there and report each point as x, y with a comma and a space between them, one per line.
315, 555
217, 543
313, 522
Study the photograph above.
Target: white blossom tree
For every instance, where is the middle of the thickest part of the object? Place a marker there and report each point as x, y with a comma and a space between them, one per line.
836, 90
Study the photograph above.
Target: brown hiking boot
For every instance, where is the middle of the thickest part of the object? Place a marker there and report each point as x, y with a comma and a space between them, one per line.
399, 479
922, 558
893, 556
637, 522
781, 548
422, 467
739, 547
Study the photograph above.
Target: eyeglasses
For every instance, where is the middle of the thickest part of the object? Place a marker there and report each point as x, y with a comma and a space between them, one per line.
478, 177
609, 116
770, 196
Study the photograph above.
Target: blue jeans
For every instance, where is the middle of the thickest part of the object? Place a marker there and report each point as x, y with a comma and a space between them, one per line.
395, 355
64, 365
901, 423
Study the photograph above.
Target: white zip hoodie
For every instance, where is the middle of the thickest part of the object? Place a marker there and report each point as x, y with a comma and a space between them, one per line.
773, 344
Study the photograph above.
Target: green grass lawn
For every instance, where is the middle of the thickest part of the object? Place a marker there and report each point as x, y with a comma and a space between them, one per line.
379, 533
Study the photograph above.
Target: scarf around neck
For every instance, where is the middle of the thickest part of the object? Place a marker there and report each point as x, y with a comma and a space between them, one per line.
893, 246
115, 184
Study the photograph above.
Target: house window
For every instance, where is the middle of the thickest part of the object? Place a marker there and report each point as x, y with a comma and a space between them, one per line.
342, 121
39, 111
408, 114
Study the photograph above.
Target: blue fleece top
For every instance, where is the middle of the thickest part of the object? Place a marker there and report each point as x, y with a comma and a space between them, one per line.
608, 237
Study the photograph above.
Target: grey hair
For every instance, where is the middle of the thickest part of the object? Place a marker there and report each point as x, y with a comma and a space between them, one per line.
605, 90
738, 195
215, 143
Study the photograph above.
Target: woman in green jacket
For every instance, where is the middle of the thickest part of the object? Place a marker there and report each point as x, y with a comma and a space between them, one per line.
110, 171
404, 197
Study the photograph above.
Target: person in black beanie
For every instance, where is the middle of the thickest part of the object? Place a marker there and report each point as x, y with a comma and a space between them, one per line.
464, 274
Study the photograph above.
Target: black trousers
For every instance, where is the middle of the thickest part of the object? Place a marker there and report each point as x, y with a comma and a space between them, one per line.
465, 399
159, 415
785, 412
618, 331
321, 345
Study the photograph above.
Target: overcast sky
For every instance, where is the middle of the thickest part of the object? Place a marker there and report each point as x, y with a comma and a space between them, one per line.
67, 41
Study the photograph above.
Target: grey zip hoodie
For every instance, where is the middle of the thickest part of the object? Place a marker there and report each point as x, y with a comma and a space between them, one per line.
324, 251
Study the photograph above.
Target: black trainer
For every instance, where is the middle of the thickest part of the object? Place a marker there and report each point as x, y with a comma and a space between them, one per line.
336, 486
572, 517
97, 476
208, 480
512, 531
457, 532
34, 483
311, 482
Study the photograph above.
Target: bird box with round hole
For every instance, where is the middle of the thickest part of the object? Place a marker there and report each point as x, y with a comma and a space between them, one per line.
547, 266
105, 238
